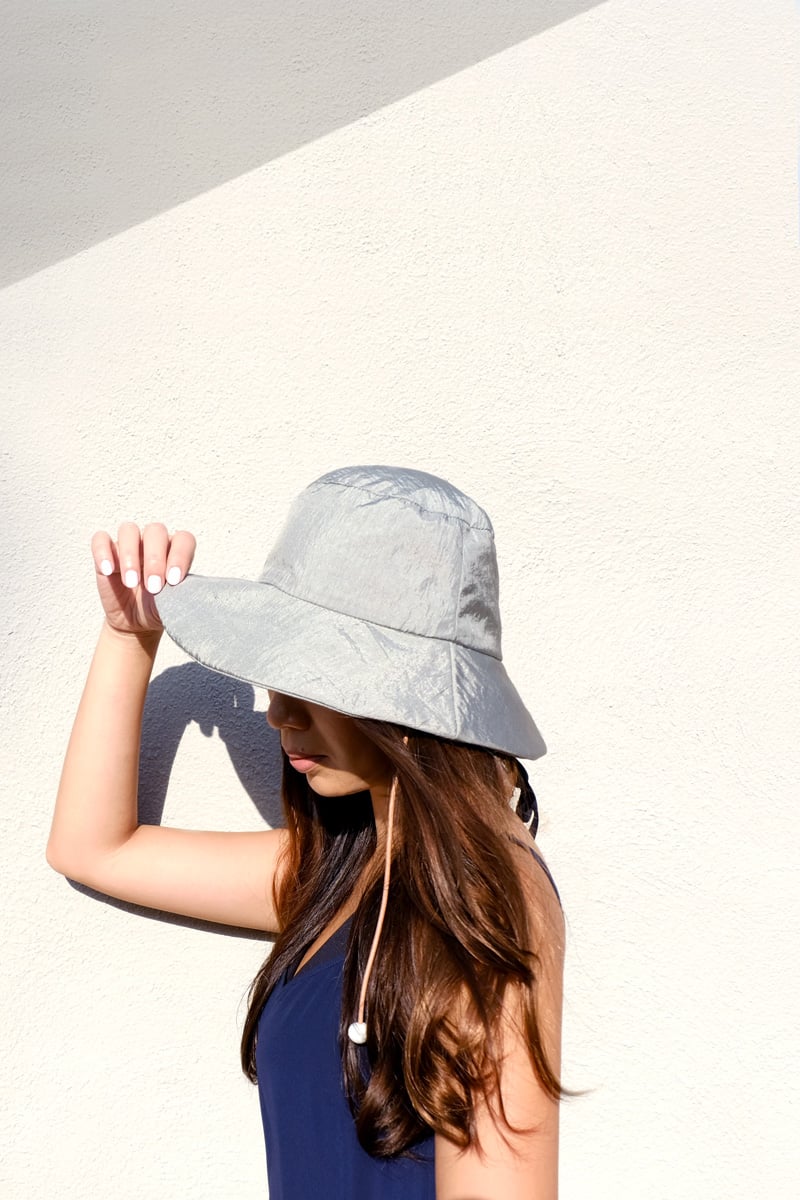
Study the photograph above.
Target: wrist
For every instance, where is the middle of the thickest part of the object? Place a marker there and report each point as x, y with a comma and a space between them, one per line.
145, 639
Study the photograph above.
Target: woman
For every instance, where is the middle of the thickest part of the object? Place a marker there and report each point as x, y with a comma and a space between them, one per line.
405, 1030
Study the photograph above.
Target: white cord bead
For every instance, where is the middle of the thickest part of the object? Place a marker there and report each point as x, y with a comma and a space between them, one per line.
358, 1032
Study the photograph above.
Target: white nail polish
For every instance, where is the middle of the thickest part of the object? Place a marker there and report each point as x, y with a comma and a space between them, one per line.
131, 579
154, 583
107, 567
174, 575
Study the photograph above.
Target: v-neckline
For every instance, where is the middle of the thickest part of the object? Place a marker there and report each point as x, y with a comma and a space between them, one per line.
328, 951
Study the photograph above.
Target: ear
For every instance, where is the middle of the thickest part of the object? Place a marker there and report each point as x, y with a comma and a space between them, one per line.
507, 776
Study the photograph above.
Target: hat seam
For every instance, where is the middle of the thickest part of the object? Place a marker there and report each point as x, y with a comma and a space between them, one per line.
432, 512
430, 637
453, 686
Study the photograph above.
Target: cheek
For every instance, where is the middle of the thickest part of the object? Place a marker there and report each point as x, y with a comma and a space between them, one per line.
358, 761
375, 767
362, 766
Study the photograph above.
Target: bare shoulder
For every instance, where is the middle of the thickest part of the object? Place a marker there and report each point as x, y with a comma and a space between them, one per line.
515, 1155
539, 886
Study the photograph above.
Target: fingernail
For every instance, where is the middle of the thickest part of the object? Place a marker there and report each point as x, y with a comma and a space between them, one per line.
107, 567
154, 583
131, 578
174, 575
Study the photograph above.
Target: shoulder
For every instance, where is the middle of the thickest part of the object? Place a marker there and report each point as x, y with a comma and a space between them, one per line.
514, 1154
540, 889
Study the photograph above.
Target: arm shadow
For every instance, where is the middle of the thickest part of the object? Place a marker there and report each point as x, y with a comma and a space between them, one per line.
176, 698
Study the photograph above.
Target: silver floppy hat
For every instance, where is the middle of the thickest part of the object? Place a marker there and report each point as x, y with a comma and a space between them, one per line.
378, 599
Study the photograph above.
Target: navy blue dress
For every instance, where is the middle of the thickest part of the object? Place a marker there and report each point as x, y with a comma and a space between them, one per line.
312, 1149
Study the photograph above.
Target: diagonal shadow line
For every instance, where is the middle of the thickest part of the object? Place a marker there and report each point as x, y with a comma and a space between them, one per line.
113, 113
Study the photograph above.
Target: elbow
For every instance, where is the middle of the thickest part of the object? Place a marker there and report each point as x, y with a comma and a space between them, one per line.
54, 858
77, 862
61, 862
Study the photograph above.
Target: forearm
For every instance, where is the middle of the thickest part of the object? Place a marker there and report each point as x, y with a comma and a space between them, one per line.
96, 804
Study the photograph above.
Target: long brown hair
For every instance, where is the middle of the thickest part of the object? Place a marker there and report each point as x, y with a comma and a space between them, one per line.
457, 934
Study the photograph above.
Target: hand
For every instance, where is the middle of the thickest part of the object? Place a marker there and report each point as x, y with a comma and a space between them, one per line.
132, 570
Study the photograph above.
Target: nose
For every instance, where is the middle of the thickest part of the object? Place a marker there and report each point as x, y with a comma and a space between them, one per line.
287, 712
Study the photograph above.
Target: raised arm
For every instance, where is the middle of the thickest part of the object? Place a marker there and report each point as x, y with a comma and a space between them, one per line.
95, 836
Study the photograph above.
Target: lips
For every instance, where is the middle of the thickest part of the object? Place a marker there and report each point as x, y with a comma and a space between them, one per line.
304, 762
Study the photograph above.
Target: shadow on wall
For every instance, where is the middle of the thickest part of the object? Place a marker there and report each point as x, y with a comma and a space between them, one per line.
175, 699
112, 113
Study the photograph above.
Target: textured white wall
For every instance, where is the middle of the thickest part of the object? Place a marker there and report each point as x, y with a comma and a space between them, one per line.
566, 278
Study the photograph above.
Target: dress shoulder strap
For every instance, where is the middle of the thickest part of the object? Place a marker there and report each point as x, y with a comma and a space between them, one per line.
541, 863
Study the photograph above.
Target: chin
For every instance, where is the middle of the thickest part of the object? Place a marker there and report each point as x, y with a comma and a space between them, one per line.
338, 787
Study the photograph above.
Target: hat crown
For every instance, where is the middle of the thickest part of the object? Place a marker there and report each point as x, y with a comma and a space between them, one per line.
395, 547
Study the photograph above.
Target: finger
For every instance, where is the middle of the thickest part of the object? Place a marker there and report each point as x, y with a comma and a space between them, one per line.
128, 547
103, 553
155, 542
181, 553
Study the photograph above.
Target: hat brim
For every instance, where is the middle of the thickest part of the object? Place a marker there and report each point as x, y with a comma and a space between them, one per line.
263, 636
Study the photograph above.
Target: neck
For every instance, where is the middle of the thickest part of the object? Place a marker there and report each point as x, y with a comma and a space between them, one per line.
380, 811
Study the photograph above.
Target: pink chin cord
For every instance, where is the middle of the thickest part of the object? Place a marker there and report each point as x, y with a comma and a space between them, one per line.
357, 1031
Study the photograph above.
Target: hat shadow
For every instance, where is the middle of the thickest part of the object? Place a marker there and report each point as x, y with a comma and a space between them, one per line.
178, 697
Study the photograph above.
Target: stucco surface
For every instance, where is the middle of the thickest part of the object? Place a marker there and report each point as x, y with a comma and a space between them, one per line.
566, 278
